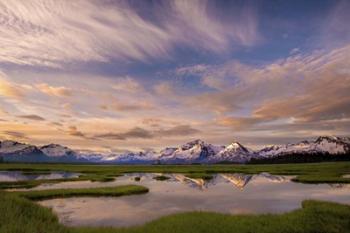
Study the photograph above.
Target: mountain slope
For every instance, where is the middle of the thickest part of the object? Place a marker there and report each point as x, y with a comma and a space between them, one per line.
12, 151
197, 151
235, 152
323, 145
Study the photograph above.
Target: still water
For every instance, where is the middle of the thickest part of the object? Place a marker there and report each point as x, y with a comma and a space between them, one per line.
9, 176
225, 193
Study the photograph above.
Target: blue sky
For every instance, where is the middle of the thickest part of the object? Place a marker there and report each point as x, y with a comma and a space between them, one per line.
130, 75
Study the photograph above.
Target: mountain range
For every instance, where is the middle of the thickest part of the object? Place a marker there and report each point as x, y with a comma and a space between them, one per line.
197, 151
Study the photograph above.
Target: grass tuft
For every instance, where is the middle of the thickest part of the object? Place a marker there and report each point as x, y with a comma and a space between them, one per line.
85, 192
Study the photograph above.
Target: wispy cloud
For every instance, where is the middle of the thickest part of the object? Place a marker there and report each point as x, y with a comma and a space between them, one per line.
127, 105
16, 135
51, 33
73, 131
127, 84
32, 117
138, 132
54, 91
153, 73
10, 89
301, 88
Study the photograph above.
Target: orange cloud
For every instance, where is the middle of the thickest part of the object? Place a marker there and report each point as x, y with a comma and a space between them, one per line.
54, 91
10, 90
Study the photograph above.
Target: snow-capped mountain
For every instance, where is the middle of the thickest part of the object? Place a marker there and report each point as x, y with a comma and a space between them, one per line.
147, 157
235, 152
196, 151
13, 151
63, 154
56, 150
13, 147
322, 145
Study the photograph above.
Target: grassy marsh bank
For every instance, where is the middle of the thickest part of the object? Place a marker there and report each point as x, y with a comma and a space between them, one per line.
19, 215
84, 192
329, 172
94, 177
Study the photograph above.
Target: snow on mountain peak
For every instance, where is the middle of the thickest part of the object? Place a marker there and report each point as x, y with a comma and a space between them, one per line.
327, 138
196, 151
56, 150
9, 146
234, 152
191, 152
236, 146
323, 145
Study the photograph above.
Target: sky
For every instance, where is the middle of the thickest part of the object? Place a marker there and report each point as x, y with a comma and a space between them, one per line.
114, 76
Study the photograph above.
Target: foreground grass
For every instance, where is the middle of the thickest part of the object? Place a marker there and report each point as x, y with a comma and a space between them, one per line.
330, 172
85, 192
19, 215
315, 216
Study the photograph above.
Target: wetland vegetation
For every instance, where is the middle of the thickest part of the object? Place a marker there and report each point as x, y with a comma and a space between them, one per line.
20, 214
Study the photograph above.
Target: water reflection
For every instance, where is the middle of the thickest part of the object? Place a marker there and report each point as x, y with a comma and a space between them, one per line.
9, 176
226, 193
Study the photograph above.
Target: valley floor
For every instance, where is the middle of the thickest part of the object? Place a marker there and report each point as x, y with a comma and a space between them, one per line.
18, 214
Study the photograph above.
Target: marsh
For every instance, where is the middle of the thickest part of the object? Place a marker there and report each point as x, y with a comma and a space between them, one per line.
234, 193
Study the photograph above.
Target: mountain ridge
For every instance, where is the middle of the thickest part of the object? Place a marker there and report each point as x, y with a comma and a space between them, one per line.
196, 151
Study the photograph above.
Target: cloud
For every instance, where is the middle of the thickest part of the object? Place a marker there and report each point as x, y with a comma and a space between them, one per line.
141, 133
239, 123
56, 124
136, 132
311, 87
164, 89
3, 112
32, 117
198, 69
73, 131
127, 84
127, 105
335, 31
180, 130
54, 91
53, 33
16, 134
201, 19
110, 136
10, 90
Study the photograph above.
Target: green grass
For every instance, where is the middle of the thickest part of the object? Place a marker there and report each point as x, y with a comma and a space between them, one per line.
98, 177
314, 217
19, 215
41, 172
330, 172
203, 176
86, 192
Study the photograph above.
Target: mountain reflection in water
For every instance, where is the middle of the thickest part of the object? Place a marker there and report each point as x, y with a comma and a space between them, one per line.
225, 193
